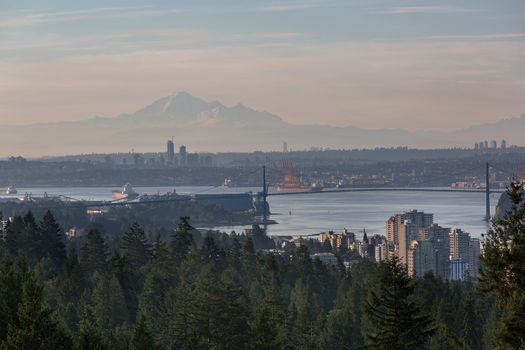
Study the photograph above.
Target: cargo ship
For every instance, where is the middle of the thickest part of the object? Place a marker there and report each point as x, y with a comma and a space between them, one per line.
292, 181
127, 193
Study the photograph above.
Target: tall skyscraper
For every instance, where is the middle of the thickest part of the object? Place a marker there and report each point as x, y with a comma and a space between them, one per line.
503, 144
419, 219
440, 238
183, 156
421, 258
459, 244
474, 251
493, 144
170, 151
285, 147
400, 232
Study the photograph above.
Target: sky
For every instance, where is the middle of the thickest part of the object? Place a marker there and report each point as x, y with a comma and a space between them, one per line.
417, 65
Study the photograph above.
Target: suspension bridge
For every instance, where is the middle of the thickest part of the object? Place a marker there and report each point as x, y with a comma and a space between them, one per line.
265, 193
487, 190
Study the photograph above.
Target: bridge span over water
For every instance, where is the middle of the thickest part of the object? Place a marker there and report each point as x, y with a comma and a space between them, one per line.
265, 193
487, 191
390, 189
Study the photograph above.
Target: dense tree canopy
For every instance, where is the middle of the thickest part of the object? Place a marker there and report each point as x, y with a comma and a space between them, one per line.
504, 270
218, 291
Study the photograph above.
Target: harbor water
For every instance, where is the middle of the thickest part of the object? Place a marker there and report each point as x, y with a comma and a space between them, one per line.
299, 214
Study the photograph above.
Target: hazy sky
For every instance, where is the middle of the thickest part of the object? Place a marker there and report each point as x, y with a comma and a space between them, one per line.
411, 64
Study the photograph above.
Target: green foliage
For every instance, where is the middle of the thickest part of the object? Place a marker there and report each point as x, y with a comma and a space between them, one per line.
503, 271
398, 323
182, 239
52, 240
94, 253
92, 337
504, 249
221, 292
27, 321
108, 304
142, 337
136, 246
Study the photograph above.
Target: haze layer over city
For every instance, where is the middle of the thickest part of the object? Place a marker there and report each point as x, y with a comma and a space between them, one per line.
296, 174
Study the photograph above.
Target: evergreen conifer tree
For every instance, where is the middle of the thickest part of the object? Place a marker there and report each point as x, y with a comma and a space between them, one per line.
304, 316
94, 252
268, 330
503, 271
35, 325
142, 337
108, 303
14, 235
159, 279
136, 246
208, 319
397, 322
52, 240
182, 240
340, 331
92, 337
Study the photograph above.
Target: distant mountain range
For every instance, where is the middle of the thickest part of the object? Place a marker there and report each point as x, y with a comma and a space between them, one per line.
213, 127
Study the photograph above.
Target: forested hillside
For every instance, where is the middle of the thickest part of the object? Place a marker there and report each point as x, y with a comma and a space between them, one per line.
223, 293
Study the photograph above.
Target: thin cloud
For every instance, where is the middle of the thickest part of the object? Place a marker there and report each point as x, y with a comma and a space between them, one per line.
64, 45
481, 37
422, 10
84, 14
297, 5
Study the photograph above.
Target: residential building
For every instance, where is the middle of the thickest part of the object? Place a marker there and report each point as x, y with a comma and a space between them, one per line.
182, 155
192, 159
326, 258
170, 151
440, 239
400, 232
381, 252
458, 267
473, 257
338, 241
419, 219
421, 258
459, 244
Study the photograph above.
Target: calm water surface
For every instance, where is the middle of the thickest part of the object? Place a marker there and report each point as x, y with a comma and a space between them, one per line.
311, 214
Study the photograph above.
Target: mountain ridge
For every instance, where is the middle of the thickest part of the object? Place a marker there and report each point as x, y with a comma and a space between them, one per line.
212, 126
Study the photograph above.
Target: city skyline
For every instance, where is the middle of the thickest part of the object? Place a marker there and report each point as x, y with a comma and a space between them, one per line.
431, 66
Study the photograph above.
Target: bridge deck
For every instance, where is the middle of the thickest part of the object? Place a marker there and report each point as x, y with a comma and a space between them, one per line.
389, 189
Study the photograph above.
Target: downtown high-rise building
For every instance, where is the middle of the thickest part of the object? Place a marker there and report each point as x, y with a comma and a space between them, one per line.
170, 151
440, 239
459, 244
183, 156
474, 253
421, 258
402, 229
419, 219
400, 232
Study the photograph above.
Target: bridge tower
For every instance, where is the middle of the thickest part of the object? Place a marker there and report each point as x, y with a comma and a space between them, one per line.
487, 193
265, 194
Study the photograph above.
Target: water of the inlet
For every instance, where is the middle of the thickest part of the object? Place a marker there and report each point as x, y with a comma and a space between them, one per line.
314, 213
